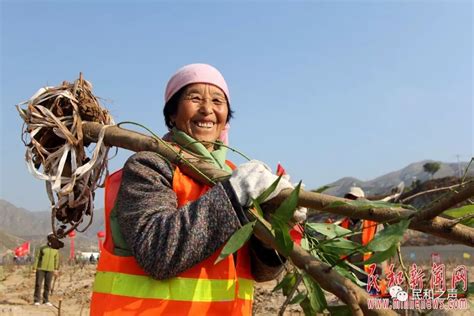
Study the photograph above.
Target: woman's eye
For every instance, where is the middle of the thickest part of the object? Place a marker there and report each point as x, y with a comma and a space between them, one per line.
196, 99
217, 101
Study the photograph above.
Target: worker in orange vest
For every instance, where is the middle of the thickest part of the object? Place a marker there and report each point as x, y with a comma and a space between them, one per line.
164, 231
368, 228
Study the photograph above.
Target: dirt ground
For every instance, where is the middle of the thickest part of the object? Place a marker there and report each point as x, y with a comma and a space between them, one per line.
73, 288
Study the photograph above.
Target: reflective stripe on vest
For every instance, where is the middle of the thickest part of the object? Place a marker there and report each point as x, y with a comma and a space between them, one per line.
121, 287
203, 290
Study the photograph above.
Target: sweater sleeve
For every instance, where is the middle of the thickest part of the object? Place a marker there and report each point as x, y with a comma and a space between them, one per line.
164, 239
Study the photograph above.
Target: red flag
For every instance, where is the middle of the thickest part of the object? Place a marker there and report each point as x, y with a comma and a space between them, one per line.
296, 234
280, 170
71, 236
100, 237
22, 250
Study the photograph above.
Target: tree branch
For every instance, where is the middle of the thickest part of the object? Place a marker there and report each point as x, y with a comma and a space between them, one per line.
116, 136
281, 312
440, 227
445, 203
443, 227
411, 197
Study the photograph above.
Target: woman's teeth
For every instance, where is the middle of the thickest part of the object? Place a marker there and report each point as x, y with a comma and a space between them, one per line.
204, 124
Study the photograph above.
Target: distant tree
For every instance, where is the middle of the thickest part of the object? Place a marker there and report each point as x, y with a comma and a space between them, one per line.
416, 183
431, 168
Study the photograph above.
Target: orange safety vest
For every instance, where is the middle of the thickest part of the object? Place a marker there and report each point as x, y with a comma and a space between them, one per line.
369, 228
121, 287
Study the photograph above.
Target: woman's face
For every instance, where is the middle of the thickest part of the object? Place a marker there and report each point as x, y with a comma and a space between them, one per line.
202, 112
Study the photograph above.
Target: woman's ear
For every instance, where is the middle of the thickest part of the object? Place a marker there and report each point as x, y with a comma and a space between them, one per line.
173, 120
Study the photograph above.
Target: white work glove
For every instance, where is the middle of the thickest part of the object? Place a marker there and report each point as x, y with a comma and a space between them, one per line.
300, 214
252, 178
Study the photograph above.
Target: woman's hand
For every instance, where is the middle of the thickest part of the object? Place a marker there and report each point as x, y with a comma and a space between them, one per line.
252, 178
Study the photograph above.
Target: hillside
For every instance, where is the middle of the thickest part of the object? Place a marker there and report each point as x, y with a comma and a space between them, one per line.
8, 241
407, 175
18, 225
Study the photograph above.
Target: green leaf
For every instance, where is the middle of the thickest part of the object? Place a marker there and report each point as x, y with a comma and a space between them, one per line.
257, 206
280, 221
282, 236
305, 244
340, 247
321, 189
350, 275
315, 294
382, 255
286, 284
286, 209
329, 230
388, 237
354, 267
306, 306
236, 241
340, 310
298, 298
262, 197
460, 212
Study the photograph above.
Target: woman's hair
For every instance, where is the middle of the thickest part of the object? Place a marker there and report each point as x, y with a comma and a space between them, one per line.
171, 108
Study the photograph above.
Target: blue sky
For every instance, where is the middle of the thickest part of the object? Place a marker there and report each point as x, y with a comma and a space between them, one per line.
329, 89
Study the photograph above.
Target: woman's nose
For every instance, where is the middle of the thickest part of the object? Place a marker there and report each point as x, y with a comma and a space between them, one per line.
206, 106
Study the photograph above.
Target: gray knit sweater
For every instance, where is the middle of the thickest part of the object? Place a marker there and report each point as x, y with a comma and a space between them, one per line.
167, 240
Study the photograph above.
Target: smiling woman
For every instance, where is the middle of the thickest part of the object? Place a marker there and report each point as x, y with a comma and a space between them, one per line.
165, 226
202, 112
198, 103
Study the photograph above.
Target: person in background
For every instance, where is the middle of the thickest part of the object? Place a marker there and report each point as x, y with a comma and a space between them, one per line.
167, 229
367, 227
46, 265
354, 193
92, 259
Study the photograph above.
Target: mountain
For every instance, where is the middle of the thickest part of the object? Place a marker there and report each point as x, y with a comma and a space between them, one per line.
383, 184
21, 222
18, 225
8, 241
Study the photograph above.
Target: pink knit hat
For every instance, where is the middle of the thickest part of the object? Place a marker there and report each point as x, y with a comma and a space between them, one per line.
195, 73
199, 73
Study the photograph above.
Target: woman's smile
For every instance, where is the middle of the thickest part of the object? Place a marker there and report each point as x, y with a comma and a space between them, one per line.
202, 112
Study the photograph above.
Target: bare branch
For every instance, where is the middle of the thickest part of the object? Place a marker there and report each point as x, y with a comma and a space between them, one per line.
411, 197
290, 295
446, 203
402, 265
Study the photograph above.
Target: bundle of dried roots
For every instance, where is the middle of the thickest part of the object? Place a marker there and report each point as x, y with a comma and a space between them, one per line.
56, 151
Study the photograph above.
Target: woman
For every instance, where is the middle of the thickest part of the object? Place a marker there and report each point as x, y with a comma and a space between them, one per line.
167, 230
